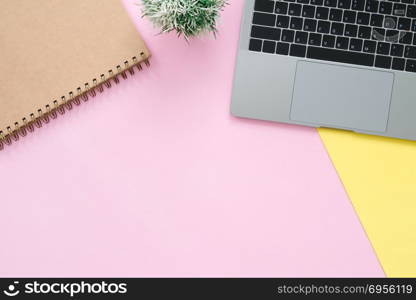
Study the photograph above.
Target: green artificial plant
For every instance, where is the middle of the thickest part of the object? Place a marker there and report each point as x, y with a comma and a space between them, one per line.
189, 18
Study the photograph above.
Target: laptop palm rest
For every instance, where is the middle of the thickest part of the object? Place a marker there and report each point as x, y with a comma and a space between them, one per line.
343, 97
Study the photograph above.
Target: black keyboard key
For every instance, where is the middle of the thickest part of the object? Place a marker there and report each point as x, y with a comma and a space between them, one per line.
297, 50
410, 52
322, 13
337, 28
328, 41
349, 16
282, 48
376, 20
269, 47
399, 9
351, 30
414, 38
397, 50
288, 36
342, 43
335, 15
255, 45
383, 48
369, 46
355, 58
323, 27
392, 36
389, 30
317, 2
303, 1
264, 19
301, 37
413, 25
309, 25
408, 1
371, 6
363, 18
295, 9
344, 4
296, 23
405, 38
411, 11
364, 32
383, 62
404, 24
385, 8
411, 65
264, 5
282, 21
356, 45
390, 22
378, 34
330, 3
315, 39
398, 64
308, 11
357, 5
381, 32
266, 33
281, 8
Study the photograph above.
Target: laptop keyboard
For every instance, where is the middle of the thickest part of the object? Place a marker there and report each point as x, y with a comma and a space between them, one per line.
371, 33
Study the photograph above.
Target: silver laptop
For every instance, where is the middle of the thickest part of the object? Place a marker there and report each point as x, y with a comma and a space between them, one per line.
347, 64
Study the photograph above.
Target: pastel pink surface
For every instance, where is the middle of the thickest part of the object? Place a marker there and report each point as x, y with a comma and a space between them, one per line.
155, 178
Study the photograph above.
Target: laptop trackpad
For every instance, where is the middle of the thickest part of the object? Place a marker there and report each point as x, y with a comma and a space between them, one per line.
343, 97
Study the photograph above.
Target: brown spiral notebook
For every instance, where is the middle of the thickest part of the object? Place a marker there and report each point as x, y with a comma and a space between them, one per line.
55, 54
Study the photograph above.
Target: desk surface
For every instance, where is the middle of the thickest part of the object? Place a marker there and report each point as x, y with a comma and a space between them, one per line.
155, 178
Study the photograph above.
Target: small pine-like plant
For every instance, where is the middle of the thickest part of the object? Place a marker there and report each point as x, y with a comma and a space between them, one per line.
189, 18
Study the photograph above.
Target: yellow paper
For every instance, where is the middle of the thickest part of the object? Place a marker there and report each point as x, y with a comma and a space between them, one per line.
379, 175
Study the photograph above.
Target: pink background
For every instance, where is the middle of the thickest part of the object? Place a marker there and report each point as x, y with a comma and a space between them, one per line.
155, 178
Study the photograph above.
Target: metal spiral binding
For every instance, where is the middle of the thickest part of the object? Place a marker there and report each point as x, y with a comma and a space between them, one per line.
67, 103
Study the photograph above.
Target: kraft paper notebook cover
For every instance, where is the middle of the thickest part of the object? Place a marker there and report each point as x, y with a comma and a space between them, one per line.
56, 53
